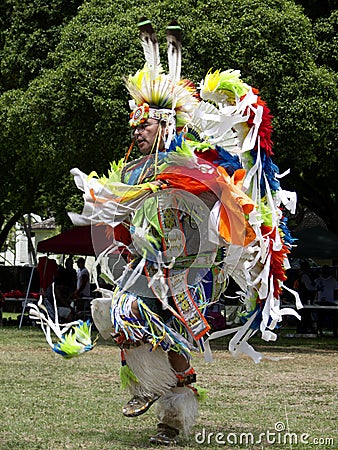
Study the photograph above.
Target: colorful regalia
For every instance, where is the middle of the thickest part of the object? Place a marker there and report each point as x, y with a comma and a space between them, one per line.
185, 220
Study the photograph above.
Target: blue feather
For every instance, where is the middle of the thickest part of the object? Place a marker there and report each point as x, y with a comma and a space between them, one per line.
176, 142
270, 170
287, 238
230, 162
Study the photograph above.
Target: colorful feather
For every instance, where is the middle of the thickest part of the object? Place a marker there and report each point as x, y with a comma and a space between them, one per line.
174, 42
76, 341
227, 160
150, 46
220, 86
127, 376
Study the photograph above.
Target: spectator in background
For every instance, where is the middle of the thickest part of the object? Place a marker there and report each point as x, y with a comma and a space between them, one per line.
70, 273
63, 293
47, 268
82, 286
327, 287
304, 284
306, 288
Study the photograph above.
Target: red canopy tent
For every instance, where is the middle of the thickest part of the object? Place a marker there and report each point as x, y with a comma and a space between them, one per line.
87, 240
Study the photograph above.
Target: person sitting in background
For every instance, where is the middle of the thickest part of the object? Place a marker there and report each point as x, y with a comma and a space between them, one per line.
327, 287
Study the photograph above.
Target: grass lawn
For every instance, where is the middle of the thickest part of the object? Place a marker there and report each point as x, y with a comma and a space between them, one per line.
51, 403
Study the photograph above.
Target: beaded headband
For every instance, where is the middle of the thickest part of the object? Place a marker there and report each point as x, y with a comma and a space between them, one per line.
144, 112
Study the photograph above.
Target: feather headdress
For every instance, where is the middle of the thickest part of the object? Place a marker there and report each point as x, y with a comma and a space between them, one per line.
156, 94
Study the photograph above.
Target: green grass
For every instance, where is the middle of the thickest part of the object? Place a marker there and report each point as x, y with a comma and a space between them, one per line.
50, 403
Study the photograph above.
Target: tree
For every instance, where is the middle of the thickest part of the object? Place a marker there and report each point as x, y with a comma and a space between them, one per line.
29, 31
318, 8
326, 34
75, 111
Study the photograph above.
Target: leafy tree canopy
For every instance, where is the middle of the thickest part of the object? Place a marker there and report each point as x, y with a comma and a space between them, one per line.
71, 108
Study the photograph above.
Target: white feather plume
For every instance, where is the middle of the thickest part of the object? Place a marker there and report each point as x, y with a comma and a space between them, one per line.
150, 46
174, 42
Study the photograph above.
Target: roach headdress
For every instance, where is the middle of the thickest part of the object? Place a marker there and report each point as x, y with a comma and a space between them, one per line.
155, 94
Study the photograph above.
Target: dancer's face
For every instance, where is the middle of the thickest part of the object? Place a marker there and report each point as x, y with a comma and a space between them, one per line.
145, 136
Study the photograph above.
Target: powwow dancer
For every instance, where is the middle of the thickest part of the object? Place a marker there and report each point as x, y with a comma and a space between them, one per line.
201, 205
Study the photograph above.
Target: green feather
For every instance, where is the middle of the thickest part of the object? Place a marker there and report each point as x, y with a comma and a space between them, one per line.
201, 393
230, 81
127, 376
148, 213
114, 174
83, 333
76, 341
266, 213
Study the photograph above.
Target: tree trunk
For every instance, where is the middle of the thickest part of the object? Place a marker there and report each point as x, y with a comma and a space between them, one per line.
6, 228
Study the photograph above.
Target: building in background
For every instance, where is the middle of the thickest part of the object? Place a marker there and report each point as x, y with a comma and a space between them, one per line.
16, 252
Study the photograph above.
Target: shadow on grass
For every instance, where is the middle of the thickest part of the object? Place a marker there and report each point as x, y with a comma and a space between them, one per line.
135, 438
